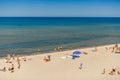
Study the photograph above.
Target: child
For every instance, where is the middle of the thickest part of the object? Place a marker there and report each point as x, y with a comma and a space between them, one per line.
81, 64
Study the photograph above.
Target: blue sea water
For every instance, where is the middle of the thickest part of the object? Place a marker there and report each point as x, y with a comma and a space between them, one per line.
24, 35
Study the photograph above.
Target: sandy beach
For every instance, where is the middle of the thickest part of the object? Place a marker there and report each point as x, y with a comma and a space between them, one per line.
63, 67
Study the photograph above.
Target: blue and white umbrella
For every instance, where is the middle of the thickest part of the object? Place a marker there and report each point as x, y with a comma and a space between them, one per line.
76, 52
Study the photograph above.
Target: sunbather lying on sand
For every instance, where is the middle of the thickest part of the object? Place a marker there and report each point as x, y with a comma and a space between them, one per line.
113, 71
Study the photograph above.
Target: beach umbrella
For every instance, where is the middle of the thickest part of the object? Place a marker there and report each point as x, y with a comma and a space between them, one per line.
76, 52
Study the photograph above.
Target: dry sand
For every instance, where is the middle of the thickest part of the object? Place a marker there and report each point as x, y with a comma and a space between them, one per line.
65, 69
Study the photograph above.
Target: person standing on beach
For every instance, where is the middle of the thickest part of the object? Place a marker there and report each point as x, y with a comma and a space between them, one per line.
81, 65
19, 64
8, 58
116, 47
49, 57
96, 48
38, 49
18, 61
13, 56
18, 58
55, 49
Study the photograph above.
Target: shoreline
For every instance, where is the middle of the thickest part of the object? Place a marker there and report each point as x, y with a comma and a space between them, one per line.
50, 52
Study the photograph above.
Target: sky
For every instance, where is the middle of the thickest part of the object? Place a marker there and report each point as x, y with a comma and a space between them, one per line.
60, 8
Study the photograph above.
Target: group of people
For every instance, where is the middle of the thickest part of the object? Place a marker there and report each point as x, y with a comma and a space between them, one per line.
59, 48
10, 68
115, 48
10, 60
114, 71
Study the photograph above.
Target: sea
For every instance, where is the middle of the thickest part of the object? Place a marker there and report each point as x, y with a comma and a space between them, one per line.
28, 35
